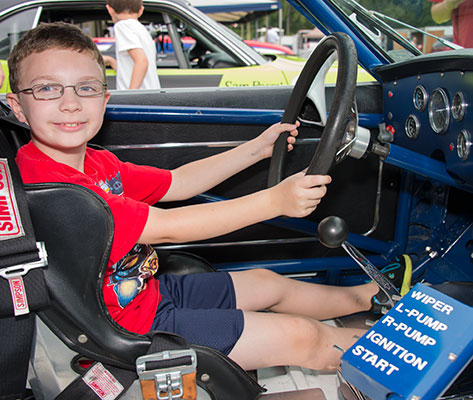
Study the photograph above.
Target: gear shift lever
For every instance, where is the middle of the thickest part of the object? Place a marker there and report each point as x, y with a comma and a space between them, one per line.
333, 232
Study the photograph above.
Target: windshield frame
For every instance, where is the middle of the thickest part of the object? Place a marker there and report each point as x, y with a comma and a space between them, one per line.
316, 11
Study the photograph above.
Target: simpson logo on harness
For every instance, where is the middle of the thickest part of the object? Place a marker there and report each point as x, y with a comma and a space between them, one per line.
10, 219
23, 288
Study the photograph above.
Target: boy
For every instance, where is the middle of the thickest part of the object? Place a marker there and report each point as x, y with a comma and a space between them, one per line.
134, 48
63, 103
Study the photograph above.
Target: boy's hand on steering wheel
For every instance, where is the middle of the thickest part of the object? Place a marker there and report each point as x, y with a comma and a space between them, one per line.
265, 142
299, 195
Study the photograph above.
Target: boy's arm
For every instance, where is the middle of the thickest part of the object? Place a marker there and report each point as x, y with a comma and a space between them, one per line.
201, 175
140, 66
110, 62
296, 196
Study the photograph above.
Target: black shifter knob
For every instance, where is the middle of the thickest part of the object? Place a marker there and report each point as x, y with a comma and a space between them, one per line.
333, 231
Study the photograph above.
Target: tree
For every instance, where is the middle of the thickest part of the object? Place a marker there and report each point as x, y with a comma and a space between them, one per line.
413, 12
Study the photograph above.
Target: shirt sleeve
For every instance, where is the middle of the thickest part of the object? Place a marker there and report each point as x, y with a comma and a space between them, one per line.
145, 183
126, 37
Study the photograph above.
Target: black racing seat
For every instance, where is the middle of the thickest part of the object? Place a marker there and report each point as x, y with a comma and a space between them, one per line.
77, 228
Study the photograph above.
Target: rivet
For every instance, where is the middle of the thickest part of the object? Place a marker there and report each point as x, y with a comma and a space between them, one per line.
82, 338
205, 377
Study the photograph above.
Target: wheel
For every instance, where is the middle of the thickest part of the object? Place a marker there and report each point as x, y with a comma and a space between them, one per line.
340, 110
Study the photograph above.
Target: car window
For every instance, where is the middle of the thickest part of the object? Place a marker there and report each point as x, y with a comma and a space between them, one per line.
12, 28
208, 53
202, 51
399, 32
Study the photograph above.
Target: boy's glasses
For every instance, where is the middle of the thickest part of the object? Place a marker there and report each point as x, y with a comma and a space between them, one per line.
51, 91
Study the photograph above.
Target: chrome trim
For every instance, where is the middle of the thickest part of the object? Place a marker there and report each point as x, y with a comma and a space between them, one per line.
179, 145
446, 103
425, 98
414, 135
377, 201
458, 114
240, 243
39, 11
301, 275
464, 149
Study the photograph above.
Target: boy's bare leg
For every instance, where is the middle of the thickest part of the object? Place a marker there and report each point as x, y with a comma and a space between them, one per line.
271, 339
261, 289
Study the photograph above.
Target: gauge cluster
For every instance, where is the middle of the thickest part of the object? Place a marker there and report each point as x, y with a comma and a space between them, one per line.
432, 114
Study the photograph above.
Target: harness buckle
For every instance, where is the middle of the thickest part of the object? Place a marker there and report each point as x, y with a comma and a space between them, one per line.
15, 271
168, 375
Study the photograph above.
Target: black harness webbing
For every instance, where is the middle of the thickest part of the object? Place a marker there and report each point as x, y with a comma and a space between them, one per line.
22, 284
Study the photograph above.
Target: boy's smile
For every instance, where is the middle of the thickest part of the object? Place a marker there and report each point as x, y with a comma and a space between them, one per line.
60, 127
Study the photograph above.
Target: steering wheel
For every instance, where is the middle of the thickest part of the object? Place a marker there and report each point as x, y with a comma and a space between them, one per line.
340, 109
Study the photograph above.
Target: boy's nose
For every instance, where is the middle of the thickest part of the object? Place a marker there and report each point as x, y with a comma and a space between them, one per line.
70, 101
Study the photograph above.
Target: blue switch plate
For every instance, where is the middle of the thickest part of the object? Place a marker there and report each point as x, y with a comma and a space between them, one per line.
415, 351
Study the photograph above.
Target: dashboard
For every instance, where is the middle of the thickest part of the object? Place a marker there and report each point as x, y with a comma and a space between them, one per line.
428, 106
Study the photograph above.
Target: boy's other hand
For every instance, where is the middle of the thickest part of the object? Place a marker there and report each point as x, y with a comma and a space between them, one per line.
298, 195
264, 143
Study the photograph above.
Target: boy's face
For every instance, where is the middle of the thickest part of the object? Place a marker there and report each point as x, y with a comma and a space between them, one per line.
66, 124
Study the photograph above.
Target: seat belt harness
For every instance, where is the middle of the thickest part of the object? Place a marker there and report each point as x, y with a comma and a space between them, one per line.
20, 261
20, 254
168, 375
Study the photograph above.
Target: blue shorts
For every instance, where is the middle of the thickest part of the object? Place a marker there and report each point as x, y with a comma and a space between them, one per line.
201, 308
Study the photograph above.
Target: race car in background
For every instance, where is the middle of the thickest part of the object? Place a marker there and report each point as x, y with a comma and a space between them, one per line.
208, 53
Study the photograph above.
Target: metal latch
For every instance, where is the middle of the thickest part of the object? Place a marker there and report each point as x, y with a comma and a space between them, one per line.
15, 271
167, 369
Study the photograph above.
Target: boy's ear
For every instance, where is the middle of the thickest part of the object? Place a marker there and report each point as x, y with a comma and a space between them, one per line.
107, 97
140, 13
110, 10
14, 103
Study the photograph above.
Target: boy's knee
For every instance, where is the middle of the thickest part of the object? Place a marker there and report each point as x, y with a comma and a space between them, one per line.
265, 274
302, 333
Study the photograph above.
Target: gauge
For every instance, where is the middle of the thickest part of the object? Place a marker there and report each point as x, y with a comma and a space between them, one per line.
463, 144
458, 106
412, 126
439, 111
420, 98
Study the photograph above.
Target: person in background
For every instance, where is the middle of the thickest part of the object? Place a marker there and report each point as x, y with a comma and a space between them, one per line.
135, 50
461, 14
272, 35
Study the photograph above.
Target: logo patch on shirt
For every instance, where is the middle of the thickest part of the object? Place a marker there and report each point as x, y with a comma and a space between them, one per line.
113, 185
10, 222
130, 274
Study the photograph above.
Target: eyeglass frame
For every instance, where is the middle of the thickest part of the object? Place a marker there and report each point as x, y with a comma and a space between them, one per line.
63, 88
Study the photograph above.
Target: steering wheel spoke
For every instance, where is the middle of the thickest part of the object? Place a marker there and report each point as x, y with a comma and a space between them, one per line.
350, 138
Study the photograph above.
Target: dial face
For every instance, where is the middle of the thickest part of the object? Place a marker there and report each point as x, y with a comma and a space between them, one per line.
420, 98
463, 144
439, 111
412, 126
458, 106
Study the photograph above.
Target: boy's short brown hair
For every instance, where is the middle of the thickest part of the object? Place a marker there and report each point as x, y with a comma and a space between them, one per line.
121, 6
57, 35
